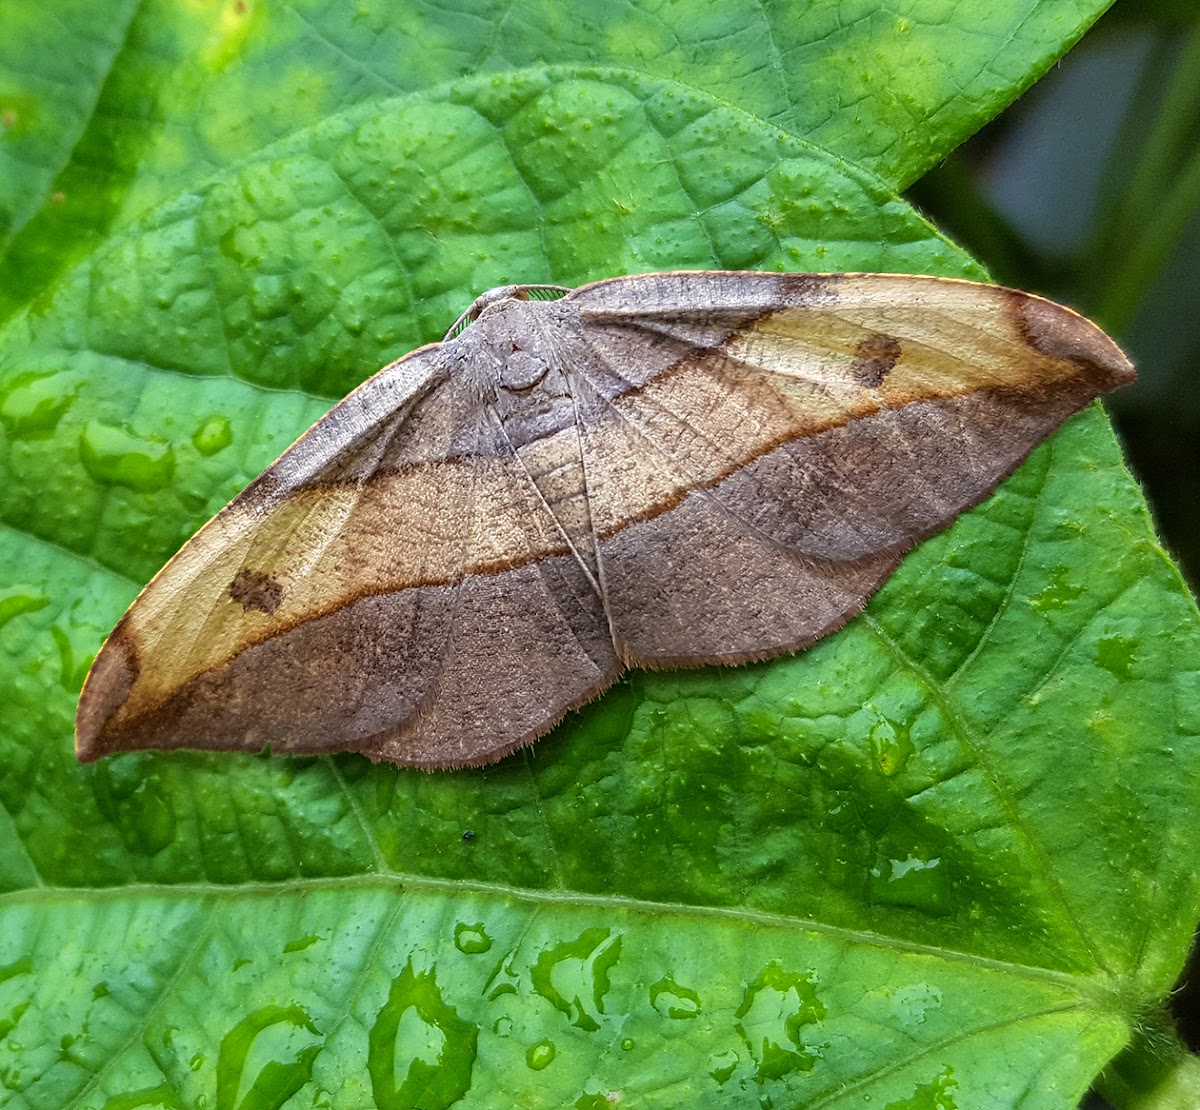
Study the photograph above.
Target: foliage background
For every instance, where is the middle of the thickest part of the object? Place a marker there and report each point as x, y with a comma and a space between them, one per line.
1088, 190
910, 904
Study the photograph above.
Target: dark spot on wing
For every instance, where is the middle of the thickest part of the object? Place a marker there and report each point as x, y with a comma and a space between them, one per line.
252, 589
874, 358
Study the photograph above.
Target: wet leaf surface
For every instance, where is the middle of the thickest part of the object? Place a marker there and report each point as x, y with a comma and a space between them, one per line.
945, 858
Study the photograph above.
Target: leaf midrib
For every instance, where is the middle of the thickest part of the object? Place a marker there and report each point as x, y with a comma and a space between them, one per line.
1103, 990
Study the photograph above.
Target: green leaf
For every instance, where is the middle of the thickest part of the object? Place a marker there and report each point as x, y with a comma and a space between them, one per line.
945, 858
177, 91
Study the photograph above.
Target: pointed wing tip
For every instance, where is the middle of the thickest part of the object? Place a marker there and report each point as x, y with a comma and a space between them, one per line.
104, 692
89, 724
1061, 333
85, 752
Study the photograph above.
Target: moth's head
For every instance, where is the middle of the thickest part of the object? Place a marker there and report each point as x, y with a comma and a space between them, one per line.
494, 297
502, 294
509, 344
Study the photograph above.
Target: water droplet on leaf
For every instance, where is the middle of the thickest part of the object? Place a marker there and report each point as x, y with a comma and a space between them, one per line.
215, 434
923, 884
540, 1055
722, 1065
20, 599
673, 1001
471, 939
891, 746
300, 943
574, 975
420, 1052
282, 1036
1059, 592
935, 1095
774, 1012
32, 404
912, 1003
116, 456
1115, 654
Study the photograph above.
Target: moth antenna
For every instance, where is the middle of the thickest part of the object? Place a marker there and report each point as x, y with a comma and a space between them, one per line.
529, 292
469, 316
503, 292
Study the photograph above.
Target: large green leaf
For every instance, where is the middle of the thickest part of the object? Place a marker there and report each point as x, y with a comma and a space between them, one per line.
943, 859
105, 117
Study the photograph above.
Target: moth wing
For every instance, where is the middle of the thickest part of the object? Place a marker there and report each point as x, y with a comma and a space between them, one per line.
391, 584
283, 621
762, 449
528, 639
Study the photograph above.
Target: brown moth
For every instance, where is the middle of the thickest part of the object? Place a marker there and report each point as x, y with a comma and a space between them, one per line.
663, 470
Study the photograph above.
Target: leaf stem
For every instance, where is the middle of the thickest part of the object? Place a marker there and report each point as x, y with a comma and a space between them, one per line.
1156, 1072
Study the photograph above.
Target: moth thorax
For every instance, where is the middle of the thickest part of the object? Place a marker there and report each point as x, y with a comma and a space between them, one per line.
522, 371
515, 342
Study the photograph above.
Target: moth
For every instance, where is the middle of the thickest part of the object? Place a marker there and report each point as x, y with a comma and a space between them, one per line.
661, 470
